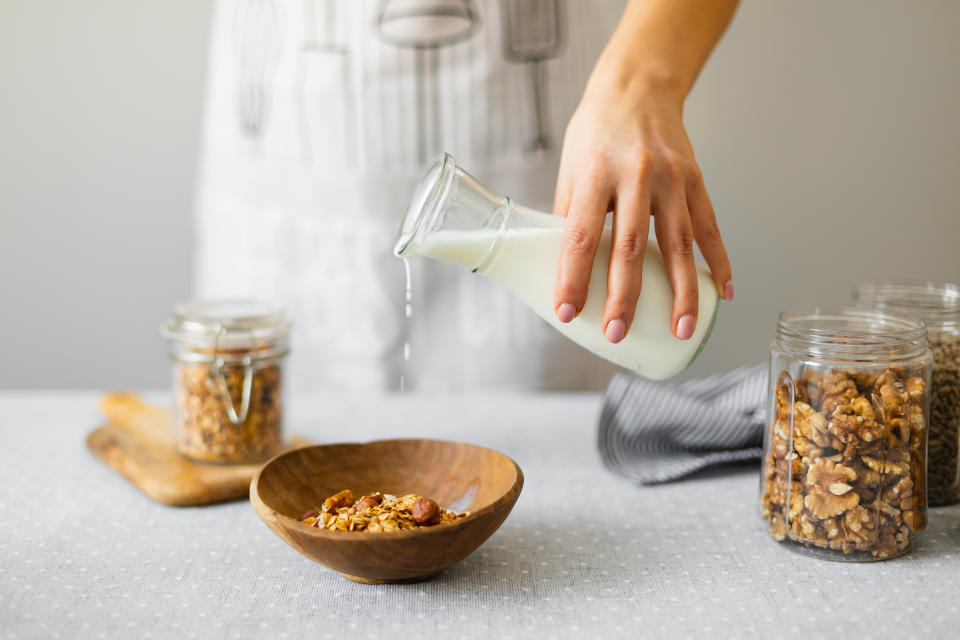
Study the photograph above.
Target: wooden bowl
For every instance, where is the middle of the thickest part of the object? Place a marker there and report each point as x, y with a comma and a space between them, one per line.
460, 477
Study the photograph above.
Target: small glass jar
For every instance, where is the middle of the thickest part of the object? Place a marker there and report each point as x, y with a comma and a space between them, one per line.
844, 466
938, 305
228, 361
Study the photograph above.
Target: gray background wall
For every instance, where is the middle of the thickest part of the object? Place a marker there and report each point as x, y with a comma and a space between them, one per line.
827, 132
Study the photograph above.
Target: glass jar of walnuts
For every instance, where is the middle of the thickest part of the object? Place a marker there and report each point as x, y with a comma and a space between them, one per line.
228, 379
844, 466
938, 305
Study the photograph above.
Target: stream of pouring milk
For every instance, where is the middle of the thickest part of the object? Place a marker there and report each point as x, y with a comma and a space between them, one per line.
525, 261
408, 310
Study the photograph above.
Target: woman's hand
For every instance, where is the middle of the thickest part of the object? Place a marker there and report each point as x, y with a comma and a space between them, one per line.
631, 155
626, 150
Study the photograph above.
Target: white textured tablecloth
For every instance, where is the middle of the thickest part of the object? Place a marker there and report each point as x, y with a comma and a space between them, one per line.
584, 554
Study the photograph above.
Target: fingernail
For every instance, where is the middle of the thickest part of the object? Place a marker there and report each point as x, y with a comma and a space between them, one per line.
728, 290
566, 312
685, 327
616, 329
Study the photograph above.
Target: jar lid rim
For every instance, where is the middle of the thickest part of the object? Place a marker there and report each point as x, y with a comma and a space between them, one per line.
923, 295
851, 331
859, 321
234, 320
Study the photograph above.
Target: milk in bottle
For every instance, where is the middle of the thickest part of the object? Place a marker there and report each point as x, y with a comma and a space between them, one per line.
453, 217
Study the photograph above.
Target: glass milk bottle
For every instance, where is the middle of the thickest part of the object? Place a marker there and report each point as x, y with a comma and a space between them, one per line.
453, 217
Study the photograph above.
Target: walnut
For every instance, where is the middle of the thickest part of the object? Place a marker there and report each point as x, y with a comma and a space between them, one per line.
771, 461
788, 465
864, 380
838, 389
806, 449
811, 425
800, 394
859, 523
916, 420
866, 477
768, 502
886, 546
796, 504
776, 490
916, 389
912, 503
903, 538
855, 422
825, 473
890, 514
831, 528
890, 375
859, 407
915, 520
856, 530
868, 481
808, 387
779, 431
783, 402
893, 395
901, 490
805, 527
898, 433
830, 489
885, 467
901, 495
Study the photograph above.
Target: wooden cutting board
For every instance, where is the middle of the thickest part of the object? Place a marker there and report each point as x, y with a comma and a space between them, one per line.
137, 441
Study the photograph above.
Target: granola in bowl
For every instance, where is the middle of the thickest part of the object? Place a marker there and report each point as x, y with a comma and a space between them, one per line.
377, 512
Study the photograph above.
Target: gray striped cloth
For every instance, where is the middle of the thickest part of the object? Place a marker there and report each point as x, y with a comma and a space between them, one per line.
657, 432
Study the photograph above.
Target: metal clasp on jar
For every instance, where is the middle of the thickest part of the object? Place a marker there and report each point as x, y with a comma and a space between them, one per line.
249, 364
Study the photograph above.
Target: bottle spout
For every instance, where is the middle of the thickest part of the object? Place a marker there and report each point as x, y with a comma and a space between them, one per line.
425, 207
448, 199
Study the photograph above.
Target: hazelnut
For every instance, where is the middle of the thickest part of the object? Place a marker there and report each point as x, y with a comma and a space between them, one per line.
368, 501
426, 511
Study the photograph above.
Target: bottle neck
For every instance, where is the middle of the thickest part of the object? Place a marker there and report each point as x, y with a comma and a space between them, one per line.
470, 248
453, 217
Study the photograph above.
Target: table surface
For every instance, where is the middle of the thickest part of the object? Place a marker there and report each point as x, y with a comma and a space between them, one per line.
584, 553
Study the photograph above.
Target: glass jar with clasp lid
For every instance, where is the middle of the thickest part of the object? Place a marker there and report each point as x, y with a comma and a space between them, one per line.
938, 305
844, 466
228, 359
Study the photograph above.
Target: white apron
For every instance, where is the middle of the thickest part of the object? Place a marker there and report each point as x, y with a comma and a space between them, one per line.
321, 117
